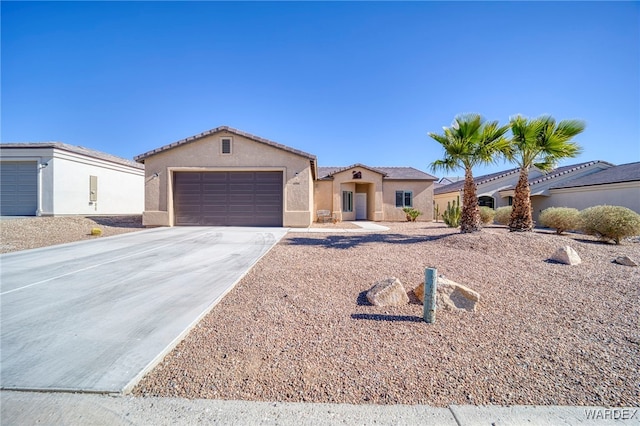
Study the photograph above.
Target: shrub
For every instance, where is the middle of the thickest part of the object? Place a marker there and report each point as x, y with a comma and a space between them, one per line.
610, 222
502, 215
96, 232
451, 216
560, 218
412, 214
486, 215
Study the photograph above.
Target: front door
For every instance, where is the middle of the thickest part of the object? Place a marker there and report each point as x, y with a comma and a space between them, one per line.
361, 206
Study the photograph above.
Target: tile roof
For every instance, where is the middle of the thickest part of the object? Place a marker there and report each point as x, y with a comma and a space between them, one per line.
557, 172
75, 149
457, 186
140, 158
405, 173
629, 172
389, 173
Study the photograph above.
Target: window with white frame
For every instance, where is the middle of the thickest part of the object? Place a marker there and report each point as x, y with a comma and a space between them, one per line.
404, 199
347, 201
225, 145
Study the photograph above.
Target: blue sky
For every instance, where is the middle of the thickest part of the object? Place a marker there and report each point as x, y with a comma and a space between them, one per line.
351, 82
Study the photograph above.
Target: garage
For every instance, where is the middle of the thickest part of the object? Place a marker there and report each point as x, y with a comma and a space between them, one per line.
18, 188
238, 198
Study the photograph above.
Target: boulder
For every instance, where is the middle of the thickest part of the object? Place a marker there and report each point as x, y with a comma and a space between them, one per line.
388, 292
451, 296
566, 255
626, 261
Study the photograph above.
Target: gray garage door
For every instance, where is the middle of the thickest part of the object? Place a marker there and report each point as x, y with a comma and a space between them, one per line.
18, 188
228, 198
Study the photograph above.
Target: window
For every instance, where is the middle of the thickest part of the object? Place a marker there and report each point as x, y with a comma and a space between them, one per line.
510, 199
225, 145
485, 201
347, 201
404, 199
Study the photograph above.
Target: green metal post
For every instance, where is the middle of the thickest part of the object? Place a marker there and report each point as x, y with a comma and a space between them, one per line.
430, 285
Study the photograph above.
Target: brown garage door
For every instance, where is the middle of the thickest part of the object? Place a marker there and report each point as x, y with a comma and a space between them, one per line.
228, 198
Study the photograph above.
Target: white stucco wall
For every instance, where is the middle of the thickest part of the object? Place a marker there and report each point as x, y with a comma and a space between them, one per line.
120, 188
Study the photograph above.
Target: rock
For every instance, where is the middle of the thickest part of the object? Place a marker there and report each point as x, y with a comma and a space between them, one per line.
566, 255
388, 292
451, 296
626, 261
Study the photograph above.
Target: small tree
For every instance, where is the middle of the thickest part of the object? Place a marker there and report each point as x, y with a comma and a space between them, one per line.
468, 142
539, 142
560, 218
610, 222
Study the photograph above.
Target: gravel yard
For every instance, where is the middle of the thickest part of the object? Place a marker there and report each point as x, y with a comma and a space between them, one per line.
33, 232
298, 328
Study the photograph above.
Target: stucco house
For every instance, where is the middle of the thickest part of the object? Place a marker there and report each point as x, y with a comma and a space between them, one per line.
54, 178
360, 192
552, 189
614, 186
225, 176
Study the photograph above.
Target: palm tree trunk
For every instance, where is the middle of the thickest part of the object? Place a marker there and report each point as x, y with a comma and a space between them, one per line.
470, 216
521, 219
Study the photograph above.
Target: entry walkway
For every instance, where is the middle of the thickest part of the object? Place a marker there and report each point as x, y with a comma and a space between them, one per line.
364, 226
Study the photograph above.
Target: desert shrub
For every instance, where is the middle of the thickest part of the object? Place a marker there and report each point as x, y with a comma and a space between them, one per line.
610, 222
451, 216
412, 214
502, 215
96, 232
487, 214
560, 218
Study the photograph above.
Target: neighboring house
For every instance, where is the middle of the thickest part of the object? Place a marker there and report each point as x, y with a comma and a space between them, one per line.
615, 186
228, 177
498, 189
53, 178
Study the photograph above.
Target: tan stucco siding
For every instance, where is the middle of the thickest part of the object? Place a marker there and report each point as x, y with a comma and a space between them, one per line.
422, 199
441, 201
616, 194
205, 155
323, 197
370, 182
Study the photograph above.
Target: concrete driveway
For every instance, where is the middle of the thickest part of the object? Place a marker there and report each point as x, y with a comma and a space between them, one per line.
96, 315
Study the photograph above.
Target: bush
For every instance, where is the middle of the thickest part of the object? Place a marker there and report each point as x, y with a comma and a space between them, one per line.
486, 215
560, 218
502, 215
96, 232
412, 214
610, 222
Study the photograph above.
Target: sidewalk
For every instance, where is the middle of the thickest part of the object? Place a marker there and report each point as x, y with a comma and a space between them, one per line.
29, 408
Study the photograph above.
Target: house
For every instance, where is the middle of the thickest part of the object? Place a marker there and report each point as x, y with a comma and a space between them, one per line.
498, 189
54, 178
615, 186
360, 192
225, 176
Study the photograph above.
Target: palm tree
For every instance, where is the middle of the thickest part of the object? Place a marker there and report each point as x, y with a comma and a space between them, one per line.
539, 142
468, 142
